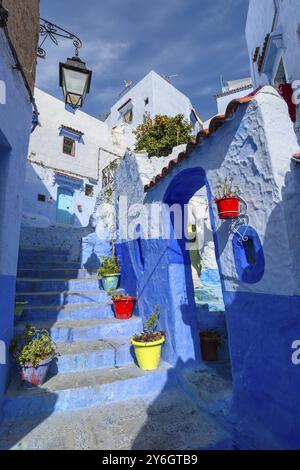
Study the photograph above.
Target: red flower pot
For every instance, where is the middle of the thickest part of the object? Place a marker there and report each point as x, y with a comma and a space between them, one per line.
228, 208
124, 307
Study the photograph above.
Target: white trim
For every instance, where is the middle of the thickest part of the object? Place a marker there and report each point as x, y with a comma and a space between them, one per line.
276, 67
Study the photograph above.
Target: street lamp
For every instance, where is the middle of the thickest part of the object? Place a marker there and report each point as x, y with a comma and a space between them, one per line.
74, 77
75, 80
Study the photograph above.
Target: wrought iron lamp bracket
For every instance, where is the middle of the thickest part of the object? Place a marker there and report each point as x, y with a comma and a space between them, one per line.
52, 31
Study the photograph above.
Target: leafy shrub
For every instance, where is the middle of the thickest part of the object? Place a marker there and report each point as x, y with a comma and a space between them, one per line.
149, 334
120, 296
160, 135
33, 346
109, 265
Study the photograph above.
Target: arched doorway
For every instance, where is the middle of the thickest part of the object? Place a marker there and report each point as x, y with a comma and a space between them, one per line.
65, 210
197, 316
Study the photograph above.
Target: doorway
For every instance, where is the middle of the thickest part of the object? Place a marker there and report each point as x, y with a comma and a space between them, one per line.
65, 211
200, 283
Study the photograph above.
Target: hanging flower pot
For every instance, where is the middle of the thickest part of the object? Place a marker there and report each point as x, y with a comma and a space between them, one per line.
228, 208
227, 200
123, 306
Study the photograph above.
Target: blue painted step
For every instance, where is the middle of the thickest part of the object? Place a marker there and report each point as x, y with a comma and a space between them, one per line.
88, 329
43, 257
67, 312
33, 264
54, 273
91, 355
87, 389
62, 297
48, 285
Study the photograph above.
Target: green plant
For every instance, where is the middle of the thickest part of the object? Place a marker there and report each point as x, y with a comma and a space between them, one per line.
149, 333
109, 265
160, 135
33, 346
108, 195
212, 334
225, 189
120, 296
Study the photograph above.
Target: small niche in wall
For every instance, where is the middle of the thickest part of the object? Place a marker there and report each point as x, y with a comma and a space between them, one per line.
248, 256
41, 198
89, 190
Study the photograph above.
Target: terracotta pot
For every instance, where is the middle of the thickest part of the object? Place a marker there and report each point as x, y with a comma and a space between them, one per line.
228, 208
209, 348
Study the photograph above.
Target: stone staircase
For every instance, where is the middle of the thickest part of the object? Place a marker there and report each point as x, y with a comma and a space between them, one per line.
96, 364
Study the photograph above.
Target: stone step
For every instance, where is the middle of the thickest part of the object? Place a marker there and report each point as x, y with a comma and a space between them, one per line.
170, 421
211, 387
43, 256
55, 273
91, 355
86, 389
68, 312
50, 285
68, 297
33, 264
87, 329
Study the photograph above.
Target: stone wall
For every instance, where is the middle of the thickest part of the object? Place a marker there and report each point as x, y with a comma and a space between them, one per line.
23, 28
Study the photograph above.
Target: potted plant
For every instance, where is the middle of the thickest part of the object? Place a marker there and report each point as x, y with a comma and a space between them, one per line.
227, 199
148, 344
123, 305
34, 350
109, 273
210, 341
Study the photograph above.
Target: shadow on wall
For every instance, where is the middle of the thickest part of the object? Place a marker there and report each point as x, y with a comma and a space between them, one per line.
262, 329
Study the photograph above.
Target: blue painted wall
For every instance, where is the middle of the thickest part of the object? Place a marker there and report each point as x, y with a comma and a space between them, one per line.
15, 127
262, 311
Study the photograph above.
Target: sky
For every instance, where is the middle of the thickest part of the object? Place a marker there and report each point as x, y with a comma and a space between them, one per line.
197, 40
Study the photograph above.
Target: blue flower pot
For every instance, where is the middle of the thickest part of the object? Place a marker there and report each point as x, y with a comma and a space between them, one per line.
110, 282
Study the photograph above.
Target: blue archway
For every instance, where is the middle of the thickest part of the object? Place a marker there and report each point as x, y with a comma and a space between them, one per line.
179, 192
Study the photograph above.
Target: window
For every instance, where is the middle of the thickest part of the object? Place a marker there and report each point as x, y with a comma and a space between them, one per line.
41, 198
69, 146
128, 116
89, 190
146, 101
280, 76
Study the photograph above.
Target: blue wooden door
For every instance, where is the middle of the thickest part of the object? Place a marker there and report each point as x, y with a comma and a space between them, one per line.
64, 206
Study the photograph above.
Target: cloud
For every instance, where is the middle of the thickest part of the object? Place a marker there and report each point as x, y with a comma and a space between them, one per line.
125, 39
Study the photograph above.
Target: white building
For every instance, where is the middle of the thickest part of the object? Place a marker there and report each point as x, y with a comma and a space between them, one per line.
273, 38
153, 95
67, 155
231, 90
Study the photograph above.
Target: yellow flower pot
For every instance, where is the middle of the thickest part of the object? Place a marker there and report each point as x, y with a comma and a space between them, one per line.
148, 354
